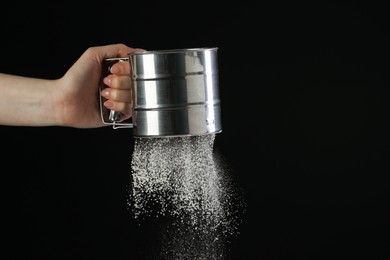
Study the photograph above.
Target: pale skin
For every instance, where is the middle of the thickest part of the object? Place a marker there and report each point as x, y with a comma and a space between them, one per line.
69, 101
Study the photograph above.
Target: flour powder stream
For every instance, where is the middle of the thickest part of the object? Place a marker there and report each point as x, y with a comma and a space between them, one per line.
182, 179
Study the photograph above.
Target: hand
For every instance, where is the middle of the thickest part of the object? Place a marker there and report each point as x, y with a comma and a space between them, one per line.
80, 85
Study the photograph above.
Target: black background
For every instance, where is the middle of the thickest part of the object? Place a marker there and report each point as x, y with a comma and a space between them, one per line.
304, 90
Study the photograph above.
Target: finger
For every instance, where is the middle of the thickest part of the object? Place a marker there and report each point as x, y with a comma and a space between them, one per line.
125, 52
111, 50
123, 107
121, 68
118, 82
118, 95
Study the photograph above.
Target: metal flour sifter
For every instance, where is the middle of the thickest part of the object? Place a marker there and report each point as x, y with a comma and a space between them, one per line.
175, 93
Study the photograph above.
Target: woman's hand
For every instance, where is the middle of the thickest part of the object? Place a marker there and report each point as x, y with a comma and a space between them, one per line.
80, 85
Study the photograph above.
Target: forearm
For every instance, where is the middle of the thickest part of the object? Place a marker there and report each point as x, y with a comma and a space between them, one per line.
26, 101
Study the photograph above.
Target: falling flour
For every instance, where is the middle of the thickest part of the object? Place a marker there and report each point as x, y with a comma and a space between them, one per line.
182, 179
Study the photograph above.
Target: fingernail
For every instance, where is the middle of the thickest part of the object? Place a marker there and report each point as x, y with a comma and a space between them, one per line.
108, 104
107, 81
116, 69
105, 93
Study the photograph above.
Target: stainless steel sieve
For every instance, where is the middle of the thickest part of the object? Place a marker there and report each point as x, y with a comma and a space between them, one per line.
175, 93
